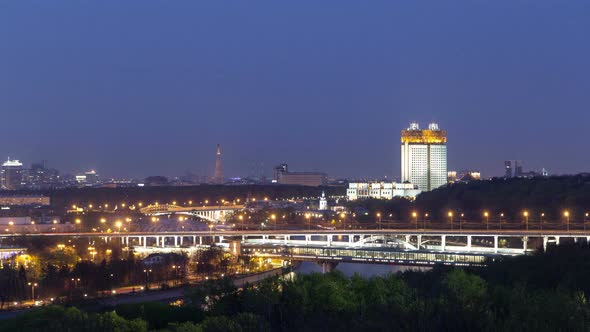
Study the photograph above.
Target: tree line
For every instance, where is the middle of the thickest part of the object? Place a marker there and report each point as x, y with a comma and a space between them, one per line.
542, 292
543, 198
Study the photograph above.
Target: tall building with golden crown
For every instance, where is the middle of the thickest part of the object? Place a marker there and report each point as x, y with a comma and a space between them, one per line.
424, 156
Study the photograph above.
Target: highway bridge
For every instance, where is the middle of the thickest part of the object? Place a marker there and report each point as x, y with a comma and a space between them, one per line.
387, 246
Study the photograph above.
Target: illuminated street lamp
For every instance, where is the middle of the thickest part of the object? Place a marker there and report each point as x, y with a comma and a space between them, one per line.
450, 215
33, 285
241, 218
415, 216
119, 224
343, 217
147, 277
308, 216
566, 214
487, 216
379, 219
541, 220
526, 219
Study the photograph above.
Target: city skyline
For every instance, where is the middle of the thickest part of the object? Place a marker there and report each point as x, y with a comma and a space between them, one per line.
275, 83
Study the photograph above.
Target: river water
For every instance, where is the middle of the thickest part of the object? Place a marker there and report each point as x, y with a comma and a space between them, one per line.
364, 270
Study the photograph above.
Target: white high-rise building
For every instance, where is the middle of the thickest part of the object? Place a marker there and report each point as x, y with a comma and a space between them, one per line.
323, 202
424, 156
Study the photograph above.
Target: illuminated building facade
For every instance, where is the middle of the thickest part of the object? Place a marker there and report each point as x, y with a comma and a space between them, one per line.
323, 202
380, 190
463, 176
89, 178
12, 174
424, 156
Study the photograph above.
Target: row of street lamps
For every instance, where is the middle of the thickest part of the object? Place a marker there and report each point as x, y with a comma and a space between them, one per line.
486, 215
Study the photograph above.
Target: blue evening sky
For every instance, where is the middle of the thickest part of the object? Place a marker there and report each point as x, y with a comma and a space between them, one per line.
137, 88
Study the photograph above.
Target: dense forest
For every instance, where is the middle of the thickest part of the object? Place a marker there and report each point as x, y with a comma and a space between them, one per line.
549, 195
503, 199
542, 292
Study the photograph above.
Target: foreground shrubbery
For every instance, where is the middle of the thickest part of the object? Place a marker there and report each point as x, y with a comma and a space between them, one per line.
59, 319
545, 292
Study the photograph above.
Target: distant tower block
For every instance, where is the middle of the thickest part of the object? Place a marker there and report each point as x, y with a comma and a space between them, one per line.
218, 176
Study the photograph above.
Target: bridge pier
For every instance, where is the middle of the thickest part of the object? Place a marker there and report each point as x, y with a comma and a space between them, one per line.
175, 241
418, 241
545, 240
495, 244
525, 240
328, 267
468, 242
443, 242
